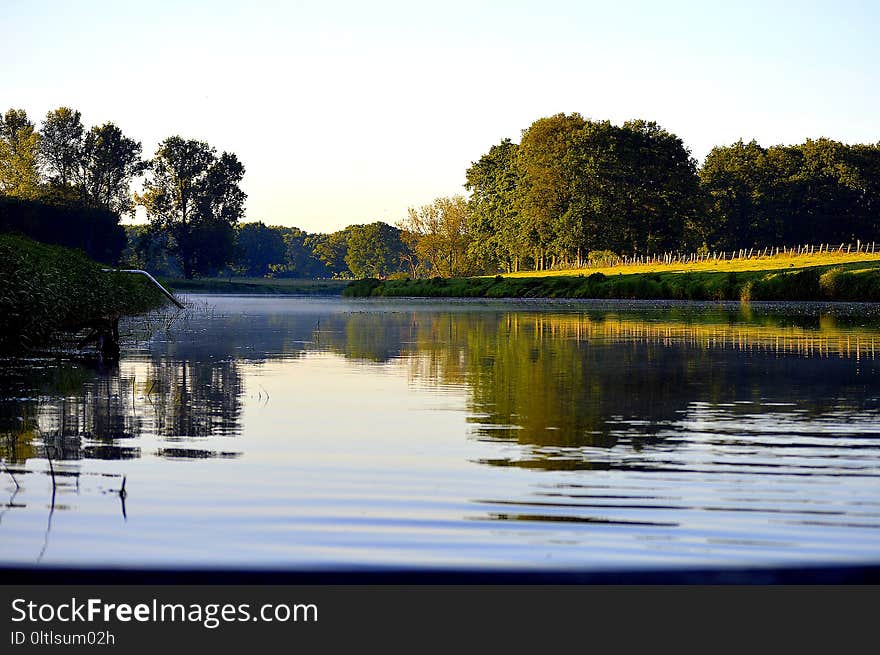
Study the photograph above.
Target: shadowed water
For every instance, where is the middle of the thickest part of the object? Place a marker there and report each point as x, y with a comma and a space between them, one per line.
297, 433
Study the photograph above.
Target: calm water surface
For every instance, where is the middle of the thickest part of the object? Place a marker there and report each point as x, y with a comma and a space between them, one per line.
293, 432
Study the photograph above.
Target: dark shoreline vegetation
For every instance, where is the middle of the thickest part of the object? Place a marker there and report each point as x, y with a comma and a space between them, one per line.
49, 291
857, 282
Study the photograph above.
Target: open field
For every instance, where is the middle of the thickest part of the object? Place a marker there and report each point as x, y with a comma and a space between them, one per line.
260, 285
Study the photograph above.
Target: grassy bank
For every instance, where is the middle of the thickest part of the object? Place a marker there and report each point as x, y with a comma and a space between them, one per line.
48, 290
852, 281
257, 285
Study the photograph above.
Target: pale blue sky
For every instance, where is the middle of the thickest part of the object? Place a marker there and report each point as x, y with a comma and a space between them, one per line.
348, 112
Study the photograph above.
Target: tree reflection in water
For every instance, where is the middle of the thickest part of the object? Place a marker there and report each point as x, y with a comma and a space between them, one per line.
573, 380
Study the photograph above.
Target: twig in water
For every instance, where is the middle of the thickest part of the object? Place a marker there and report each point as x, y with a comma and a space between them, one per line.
6, 468
52, 506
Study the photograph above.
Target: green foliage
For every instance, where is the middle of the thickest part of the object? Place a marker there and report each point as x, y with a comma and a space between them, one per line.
47, 289
331, 250
65, 185
573, 185
373, 250
19, 155
821, 191
496, 240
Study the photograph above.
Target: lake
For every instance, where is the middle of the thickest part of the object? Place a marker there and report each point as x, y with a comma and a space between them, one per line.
324, 433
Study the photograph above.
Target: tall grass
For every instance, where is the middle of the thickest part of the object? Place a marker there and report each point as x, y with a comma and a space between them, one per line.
46, 290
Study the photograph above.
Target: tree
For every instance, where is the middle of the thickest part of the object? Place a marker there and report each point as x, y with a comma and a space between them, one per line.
19, 155
657, 189
110, 161
195, 197
374, 250
496, 237
148, 249
439, 235
737, 180
61, 145
97, 166
548, 174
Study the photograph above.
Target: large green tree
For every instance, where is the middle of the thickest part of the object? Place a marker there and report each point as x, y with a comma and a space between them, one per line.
545, 199
301, 260
194, 196
654, 187
573, 186
496, 238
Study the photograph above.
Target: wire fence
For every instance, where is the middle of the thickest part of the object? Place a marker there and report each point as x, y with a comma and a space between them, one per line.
671, 257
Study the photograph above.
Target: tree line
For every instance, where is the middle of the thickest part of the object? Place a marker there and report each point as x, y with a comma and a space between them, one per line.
575, 190
574, 186
572, 190
67, 184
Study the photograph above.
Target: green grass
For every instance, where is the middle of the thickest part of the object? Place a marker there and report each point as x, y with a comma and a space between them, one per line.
853, 281
257, 285
47, 290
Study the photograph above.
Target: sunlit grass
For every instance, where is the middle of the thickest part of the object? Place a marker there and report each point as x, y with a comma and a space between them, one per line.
770, 263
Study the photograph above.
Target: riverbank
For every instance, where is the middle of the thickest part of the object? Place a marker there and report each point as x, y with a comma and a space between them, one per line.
257, 285
48, 291
857, 281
